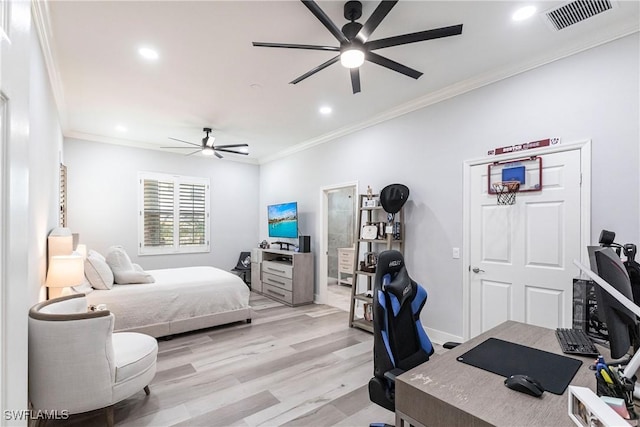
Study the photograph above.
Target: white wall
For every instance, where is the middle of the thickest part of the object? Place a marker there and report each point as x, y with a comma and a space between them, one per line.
35, 141
45, 155
591, 95
103, 200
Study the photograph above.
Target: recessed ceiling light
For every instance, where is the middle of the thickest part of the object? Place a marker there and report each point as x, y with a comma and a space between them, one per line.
148, 53
121, 128
523, 13
325, 110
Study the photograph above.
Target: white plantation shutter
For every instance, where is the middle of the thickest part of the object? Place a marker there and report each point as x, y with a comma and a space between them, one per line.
158, 213
192, 214
174, 214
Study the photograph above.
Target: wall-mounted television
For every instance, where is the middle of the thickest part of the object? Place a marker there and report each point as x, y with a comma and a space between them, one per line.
283, 220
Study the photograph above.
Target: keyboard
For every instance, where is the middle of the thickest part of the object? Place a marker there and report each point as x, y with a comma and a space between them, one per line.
576, 341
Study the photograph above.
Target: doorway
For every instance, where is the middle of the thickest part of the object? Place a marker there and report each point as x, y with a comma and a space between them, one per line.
338, 231
518, 258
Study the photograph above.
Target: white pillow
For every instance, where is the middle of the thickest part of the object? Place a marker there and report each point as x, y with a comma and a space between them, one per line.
96, 254
134, 277
83, 288
124, 270
98, 272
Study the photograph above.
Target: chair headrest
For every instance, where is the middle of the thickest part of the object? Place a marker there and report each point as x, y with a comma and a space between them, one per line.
393, 275
400, 286
390, 262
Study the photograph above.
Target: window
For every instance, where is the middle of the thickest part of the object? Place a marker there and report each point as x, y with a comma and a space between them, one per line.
174, 214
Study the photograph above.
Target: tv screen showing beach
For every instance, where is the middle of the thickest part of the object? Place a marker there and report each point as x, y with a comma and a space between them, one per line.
283, 220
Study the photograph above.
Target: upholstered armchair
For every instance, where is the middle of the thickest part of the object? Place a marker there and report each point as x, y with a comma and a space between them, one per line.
77, 363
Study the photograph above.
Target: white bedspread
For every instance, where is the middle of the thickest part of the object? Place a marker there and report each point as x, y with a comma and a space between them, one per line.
178, 293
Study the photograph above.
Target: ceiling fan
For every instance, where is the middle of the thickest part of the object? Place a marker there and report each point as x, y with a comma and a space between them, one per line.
208, 149
355, 46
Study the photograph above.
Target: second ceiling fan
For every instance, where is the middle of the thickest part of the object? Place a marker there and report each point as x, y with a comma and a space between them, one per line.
355, 46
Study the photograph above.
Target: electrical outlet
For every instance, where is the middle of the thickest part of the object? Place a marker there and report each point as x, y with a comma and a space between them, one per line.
456, 253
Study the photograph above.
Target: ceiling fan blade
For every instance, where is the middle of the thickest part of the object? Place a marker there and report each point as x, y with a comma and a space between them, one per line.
231, 146
355, 79
218, 155
297, 46
230, 151
392, 65
186, 142
326, 21
374, 20
180, 148
191, 154
420, 36
315, 70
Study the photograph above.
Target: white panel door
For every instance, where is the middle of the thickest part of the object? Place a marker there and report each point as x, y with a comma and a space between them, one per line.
521, 255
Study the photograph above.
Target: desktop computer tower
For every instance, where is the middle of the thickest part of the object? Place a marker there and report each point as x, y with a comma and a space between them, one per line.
304, 244
585, 309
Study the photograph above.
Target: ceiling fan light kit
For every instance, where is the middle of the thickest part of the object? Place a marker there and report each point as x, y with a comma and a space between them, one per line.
352, 57
355, 46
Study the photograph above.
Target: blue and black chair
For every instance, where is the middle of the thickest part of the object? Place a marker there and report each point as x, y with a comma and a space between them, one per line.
399, 342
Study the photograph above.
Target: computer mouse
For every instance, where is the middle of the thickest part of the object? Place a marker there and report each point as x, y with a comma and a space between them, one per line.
524, 384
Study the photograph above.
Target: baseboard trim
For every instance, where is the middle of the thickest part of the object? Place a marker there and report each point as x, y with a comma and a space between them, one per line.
441, 337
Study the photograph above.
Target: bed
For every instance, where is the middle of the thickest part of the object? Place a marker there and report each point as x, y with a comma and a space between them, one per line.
180, 300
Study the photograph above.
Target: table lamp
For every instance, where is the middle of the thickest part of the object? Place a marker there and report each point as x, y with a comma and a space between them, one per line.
64, 271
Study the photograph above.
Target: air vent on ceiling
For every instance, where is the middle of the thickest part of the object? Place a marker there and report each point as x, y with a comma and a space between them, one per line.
576, 11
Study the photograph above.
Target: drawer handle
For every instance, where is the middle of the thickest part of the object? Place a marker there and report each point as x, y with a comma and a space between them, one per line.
277, 293
275, 281
274, 269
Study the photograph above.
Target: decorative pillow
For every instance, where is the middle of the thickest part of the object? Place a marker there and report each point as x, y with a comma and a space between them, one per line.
124, 270
83, 288
134, 277
96, 254
97, 271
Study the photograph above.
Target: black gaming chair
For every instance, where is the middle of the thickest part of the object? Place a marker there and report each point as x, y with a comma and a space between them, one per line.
399, 341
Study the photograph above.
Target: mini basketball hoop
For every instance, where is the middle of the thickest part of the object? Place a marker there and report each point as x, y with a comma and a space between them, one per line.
506, 191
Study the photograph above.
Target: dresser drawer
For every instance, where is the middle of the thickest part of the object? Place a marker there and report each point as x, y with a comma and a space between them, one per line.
345, 268
278, 281
345, 256
277, 293
277, 268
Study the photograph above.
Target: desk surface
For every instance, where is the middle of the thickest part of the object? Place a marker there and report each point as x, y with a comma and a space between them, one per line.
444, 391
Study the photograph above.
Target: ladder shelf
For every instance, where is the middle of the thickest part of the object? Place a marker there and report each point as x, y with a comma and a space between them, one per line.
360, 312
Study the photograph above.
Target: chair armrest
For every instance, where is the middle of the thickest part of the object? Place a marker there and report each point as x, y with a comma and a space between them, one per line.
392, 374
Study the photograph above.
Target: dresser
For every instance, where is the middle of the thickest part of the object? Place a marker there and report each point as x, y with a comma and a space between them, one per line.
284, 276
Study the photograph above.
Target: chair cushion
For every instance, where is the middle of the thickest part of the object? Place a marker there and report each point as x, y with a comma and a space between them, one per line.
134, 353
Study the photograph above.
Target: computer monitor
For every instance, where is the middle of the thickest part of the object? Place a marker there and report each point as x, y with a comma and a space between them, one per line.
622, 323
634, 364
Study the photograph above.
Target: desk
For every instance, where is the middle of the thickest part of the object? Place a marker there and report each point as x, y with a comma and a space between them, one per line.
445, 392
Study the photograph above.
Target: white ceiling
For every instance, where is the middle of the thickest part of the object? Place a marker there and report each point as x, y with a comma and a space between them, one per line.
209, 74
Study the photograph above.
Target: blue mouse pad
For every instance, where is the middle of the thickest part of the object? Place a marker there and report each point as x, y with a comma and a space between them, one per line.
505, 358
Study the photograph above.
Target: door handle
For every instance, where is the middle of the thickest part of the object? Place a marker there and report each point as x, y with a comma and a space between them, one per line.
477, 270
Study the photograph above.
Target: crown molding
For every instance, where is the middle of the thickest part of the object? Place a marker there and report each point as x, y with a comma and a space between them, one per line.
40, 13
448, 93
139, 144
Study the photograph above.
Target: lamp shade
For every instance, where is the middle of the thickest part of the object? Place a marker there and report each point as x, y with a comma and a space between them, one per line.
65, 270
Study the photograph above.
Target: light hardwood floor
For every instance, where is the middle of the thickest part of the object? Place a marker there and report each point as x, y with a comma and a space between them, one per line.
298, 366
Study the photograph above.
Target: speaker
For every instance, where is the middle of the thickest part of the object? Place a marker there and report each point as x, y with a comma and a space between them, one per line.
304, 243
